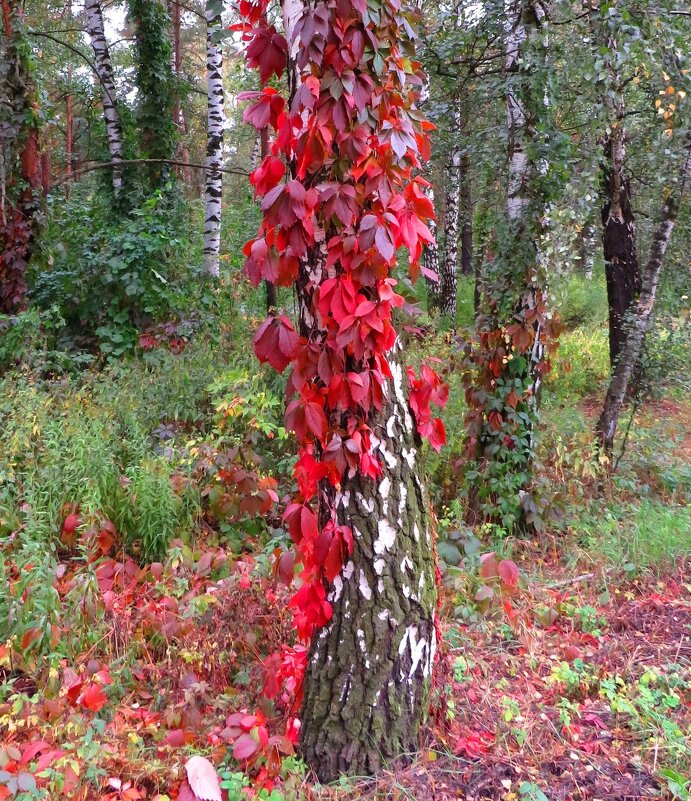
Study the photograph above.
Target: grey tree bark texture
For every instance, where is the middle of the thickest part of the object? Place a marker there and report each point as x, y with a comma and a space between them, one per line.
213, 186
104, 66
642, 312
369, 672
619, 244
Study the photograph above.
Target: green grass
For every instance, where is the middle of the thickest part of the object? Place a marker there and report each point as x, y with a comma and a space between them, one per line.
649, 535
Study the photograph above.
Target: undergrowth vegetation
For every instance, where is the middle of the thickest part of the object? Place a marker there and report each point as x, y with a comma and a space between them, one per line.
143, 548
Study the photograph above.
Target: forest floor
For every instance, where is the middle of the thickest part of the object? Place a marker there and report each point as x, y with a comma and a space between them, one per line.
591, 706
573, 684
579, 691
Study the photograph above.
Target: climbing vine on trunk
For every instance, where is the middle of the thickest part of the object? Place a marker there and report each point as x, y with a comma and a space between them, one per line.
515, 327
156, 84
20, 162
340, 194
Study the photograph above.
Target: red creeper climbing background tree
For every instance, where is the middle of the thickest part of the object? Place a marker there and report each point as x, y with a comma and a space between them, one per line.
20, 160
340, 195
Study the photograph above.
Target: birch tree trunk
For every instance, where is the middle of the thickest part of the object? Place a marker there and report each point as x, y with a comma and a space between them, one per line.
368, 676
512, 315
466, 215
369, 670
104, 66
619, 243
367, 683
521, 129
436, 288
642, 312
213, 188
453, 194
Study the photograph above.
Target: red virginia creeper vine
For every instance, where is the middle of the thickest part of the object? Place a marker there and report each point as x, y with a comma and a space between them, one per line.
339, 197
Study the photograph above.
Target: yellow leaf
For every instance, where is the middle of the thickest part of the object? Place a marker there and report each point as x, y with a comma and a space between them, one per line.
431, 756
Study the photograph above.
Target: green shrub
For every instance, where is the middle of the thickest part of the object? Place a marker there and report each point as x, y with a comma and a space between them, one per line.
64, 447
109, 274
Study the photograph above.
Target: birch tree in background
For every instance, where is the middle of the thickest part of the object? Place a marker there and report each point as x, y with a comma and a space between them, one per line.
213, 190
104, 67
642, 311
622, 272
453, 193
514, 322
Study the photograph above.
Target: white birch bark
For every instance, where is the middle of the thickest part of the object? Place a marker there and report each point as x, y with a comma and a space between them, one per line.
517, 121
104, 66
521, 131
453, 196
213, 189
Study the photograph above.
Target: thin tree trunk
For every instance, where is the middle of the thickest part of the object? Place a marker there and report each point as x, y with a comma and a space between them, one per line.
618, 223
521, 134
104, 66
271, 293
466, 215
69, 118
583, 245
69, 137
437, 288
618, 241
642, 313
213, 191
181, 151
453, 194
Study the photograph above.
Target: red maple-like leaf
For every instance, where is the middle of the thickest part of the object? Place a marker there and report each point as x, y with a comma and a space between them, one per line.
267, 51
267, 175
275, 341
266, 110
93, 697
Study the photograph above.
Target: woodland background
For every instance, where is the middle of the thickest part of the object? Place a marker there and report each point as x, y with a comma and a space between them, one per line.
145, 463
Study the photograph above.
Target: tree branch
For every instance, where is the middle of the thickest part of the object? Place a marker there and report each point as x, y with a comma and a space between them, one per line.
104, 165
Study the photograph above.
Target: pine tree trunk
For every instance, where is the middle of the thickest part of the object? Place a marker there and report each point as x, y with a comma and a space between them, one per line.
213, 190
104, 67
641, 315
619, 243
369, 671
